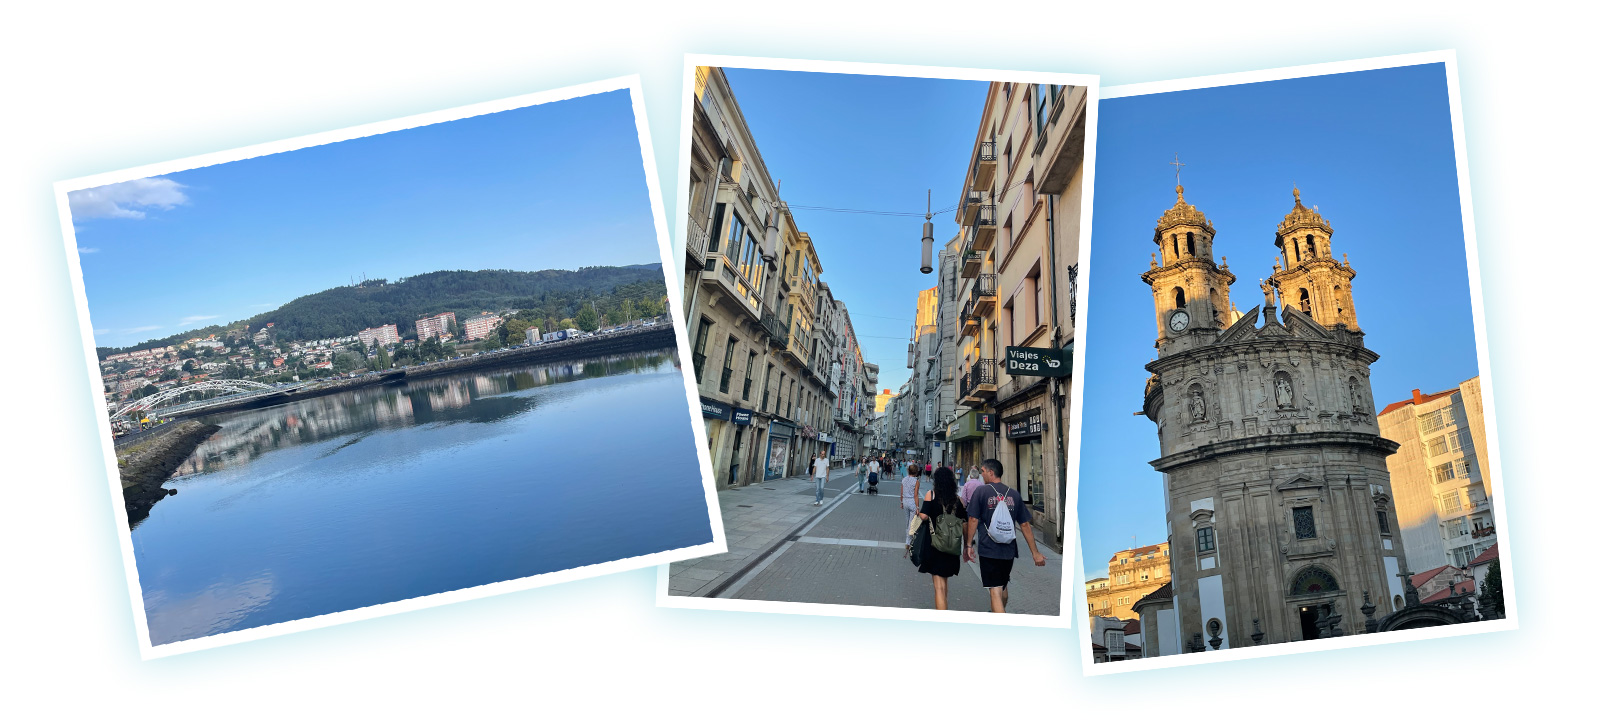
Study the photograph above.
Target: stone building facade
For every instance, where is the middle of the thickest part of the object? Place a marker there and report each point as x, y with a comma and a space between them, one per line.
1130, 576
1014, 284
1279, 510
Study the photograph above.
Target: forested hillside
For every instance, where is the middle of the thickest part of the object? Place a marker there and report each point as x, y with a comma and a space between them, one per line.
550, 295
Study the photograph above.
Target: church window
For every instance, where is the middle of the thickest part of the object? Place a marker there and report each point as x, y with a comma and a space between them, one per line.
1305, 300
1205, 540
1296, 250
1177, 297
1175, 253
1191, 242
1305, 523
1313, 580
1383, 522
1311, 245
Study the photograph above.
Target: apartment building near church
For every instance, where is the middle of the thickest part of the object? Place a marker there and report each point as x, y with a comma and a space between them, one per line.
1443, 498
1130, 576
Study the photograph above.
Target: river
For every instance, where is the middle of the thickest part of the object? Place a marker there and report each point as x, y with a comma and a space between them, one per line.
387, 493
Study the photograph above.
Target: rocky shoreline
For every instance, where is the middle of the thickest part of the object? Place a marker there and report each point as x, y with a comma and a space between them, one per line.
145, 466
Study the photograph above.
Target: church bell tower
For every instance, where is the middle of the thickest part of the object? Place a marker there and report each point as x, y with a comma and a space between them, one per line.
1306, 275
1189, 288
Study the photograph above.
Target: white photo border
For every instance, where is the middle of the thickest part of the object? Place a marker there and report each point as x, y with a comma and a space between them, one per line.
1091, 83
631, 83
1458, 131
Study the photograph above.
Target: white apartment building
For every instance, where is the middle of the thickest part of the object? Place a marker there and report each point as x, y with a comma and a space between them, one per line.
1440, 476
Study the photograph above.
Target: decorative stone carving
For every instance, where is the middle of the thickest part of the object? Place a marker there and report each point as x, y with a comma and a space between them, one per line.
1355, 397
1283, 391
1197, 404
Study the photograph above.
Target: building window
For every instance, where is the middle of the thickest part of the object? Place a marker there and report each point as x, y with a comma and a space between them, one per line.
700, 348
1431, 421
727, 363
1177, 297
1383, 522
1305, 523
749, 373
1450, 501
716, 228
735, 236
1190, 243
1438, 446
1205, 540
1444, 473
1463, 468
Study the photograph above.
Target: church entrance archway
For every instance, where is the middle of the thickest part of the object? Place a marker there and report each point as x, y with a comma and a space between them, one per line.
1308, 622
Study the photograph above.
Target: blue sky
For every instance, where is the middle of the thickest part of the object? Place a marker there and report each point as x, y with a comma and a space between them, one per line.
1372, 149
869, 143
559, 185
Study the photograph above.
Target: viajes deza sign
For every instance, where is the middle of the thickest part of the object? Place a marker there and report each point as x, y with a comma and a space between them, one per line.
1042, 362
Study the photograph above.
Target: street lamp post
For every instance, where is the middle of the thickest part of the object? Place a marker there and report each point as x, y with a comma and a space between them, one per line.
927, 237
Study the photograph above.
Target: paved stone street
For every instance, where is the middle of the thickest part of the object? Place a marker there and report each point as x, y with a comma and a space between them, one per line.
850, 551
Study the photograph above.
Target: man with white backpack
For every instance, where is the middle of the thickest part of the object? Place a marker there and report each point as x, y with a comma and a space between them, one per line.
995, 515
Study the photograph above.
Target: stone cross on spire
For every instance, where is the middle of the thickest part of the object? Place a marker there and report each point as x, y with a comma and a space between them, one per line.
1177, 172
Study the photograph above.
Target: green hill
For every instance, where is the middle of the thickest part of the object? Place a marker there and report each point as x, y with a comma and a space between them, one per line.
544, 295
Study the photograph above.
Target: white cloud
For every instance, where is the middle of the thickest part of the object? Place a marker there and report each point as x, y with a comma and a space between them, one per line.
87, 251
192, 319
121, 199
143, 328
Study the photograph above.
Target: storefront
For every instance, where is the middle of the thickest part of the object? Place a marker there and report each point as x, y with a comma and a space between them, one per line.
780, 444
965, 437
729, 436
1025, 434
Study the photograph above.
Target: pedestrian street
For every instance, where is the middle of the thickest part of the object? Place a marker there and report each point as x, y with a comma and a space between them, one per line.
849, 551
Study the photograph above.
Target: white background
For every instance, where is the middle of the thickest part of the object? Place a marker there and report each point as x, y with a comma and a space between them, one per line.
91, 89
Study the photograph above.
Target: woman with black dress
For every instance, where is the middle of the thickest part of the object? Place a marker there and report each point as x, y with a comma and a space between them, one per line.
943, 498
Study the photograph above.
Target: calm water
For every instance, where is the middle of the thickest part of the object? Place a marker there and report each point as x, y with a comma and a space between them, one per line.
389, 493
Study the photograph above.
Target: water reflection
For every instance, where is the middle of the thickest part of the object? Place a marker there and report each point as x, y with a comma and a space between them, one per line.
393, 492
483, 397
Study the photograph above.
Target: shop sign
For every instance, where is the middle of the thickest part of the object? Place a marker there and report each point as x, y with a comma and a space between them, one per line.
986, 422
1025, 427
715, 410
741, 416
1039, 362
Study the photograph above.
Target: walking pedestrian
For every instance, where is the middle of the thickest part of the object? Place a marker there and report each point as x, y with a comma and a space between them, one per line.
872, 475
973, 482
910, 497
940, 501
819, 467
996, 555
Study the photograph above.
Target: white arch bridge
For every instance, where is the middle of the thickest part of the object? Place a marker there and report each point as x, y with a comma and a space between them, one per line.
227, 390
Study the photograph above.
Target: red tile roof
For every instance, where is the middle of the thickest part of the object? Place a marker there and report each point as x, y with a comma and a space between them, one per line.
1487, 556
1471, 587
1132, 628
1421, 578
1417, 398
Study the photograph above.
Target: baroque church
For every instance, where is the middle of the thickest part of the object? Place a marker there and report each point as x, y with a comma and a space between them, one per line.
1278, 503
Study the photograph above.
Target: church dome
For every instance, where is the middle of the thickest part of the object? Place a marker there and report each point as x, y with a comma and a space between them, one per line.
1182, 213
1302, 217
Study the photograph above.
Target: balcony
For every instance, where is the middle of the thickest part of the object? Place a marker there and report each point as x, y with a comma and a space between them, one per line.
971, 322
719, 274
695, 243
777, 331
984, 173
979, 384
969, 208
984, 292
983, 228
1483, 532
971, 261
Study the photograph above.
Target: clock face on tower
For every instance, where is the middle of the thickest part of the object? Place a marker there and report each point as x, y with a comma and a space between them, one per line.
1178, 321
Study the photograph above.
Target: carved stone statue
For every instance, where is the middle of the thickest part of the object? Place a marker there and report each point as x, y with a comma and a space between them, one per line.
1266, 292
1284, 393
1355, 396
1197, 405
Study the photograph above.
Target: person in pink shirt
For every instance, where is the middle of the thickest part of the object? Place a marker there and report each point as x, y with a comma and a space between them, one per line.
974, 481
